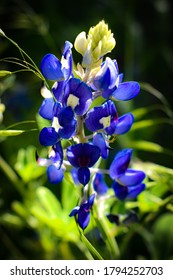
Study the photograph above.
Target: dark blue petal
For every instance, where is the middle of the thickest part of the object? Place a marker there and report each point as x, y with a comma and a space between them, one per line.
78, 95
67, 60
107, 76
90, 202
51, 68
126, 91
131, 177
120, 163
130, 192
99, 184
75, 176
99, 141
46, 109
134, 191
83, 218
101, 117
83, 154
67, 122
58, 90
74, 211
48, 136
124, 124
121, 192
83, 175
55, 175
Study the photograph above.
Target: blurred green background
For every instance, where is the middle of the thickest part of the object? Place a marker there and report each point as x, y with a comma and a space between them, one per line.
144, 51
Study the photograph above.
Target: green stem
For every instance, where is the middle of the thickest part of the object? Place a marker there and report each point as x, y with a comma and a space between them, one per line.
80, 130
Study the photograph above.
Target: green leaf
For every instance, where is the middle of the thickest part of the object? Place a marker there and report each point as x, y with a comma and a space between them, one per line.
150, 122
4, 73
149, 202
49, 202
150, 147
26, 164
11, 220
10, 132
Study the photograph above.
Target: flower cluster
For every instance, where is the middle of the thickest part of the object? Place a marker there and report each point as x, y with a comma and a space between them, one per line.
70, 108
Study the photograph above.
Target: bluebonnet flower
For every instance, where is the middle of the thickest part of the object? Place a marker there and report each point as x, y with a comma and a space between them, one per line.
105, 118
82, 156
127, 182
102, 117
109, 82
63, 126
53, 163
107, 78
59, 71
83, 212
77, 95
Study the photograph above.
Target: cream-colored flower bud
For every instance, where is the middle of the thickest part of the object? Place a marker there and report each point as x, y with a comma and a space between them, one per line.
81, 43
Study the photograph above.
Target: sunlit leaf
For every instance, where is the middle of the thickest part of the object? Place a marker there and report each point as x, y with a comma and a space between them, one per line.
5, 133
149, 202
49, 202
150, 147
150, 122
4, 73
11, 220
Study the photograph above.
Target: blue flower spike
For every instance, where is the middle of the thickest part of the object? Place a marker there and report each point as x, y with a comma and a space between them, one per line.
81, 111
83, 212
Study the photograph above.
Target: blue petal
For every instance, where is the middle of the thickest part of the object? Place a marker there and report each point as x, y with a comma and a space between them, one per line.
48, 136
124, 124
68, 63
51, 68
131, 177
107, 76
83, 154
82, 96
83, 218
83, 175
130, 192
134, 191
96, 117
126, 91
75, 176
120, 163
68, 123
74, 211
121, 192
55, 175
46, 109
99, 184
90, 202
99, 141
58, 90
